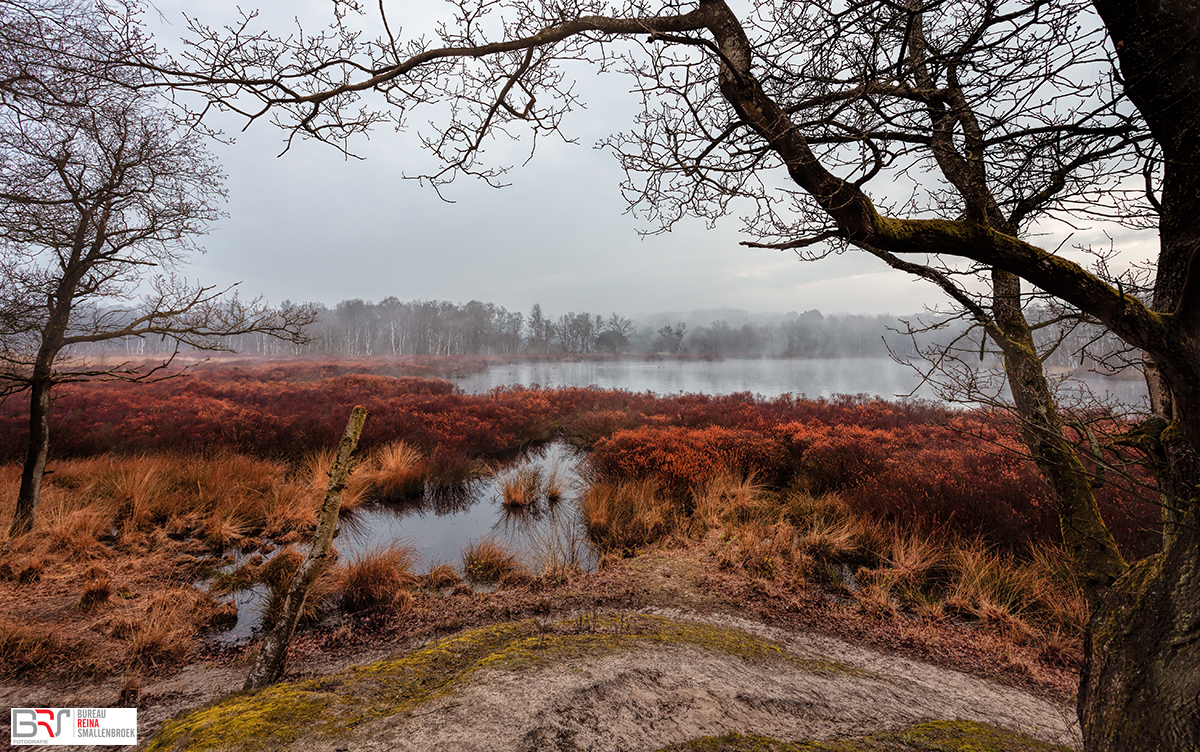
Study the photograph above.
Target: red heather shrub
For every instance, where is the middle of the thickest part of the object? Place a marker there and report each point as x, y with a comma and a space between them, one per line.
997, 495
964, 476
835, 457
684, 457
586, 428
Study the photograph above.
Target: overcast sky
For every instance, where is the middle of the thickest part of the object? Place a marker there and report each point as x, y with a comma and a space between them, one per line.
313, 226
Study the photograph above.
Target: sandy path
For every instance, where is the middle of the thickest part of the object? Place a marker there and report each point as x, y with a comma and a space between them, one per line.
648, 697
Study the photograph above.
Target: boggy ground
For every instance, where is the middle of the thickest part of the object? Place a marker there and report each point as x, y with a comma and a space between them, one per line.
651, 651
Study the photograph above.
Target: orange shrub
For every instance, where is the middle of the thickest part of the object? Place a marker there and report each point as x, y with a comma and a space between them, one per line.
685, 457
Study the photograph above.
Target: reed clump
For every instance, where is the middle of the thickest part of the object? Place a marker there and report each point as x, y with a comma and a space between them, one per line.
521, 486
377, 578
395, 471
487, 561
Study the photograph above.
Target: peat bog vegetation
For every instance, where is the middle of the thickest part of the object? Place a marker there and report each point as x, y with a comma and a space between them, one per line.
904, 525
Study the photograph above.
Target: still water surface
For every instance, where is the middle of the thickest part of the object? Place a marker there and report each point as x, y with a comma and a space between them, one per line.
815, 377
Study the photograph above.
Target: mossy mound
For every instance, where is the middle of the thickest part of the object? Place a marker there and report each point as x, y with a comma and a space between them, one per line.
332, 706
939, 736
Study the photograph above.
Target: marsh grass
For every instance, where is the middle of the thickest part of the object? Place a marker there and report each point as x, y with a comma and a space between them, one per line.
559, 548
627, 515
488, 561
167, 631
395, 472
317, 469
220, 500
277, 573
442, 576
96, 590
448, 470
555, 484
521, 486
790, 535
376, 578
28, 648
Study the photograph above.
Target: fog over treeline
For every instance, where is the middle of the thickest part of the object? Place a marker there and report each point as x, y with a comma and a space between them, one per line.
356, 327
434, 327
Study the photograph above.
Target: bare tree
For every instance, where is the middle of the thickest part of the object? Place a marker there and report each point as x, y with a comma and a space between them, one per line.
725, 121
101, 198
615, 333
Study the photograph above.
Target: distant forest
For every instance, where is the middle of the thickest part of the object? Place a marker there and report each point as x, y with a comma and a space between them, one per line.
393, 327
437, 327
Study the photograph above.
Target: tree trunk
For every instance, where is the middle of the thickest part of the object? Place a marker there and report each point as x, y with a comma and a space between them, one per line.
1140, 689
35, 458
1095, 559
269, 663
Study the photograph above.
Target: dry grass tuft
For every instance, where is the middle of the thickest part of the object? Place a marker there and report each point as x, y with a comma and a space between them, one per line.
277, 573
729, 499
78, 530
96, 592
826, 539
628, 515
27, 648
23, 569
166, 633
317, 469
912, 557
289, 507
1059, 649
440, 577
375, 579
518, 577
554, 485
875, 600
225, 531
522, 486
559, 548
802, 508
396, 471
486, 560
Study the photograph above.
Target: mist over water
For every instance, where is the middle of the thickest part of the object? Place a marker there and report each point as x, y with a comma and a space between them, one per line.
808, 377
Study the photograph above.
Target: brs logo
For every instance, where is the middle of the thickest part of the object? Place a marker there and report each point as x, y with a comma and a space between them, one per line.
34, 723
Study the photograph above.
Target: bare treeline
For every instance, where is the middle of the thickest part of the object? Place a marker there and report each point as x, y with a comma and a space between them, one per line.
393, 327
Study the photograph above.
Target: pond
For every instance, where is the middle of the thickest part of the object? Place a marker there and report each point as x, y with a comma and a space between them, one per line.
544, 533
440, 526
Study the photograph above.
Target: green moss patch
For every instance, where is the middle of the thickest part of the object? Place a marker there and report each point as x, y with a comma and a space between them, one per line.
939, 736
334, 705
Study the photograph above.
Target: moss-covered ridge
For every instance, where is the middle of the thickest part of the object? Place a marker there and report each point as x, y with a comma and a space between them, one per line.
334, 705
939, 736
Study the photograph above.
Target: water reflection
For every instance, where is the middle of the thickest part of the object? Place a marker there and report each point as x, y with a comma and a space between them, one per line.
443, 521
811, 377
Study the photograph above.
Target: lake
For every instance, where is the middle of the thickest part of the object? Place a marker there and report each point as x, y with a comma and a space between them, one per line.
815, 377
